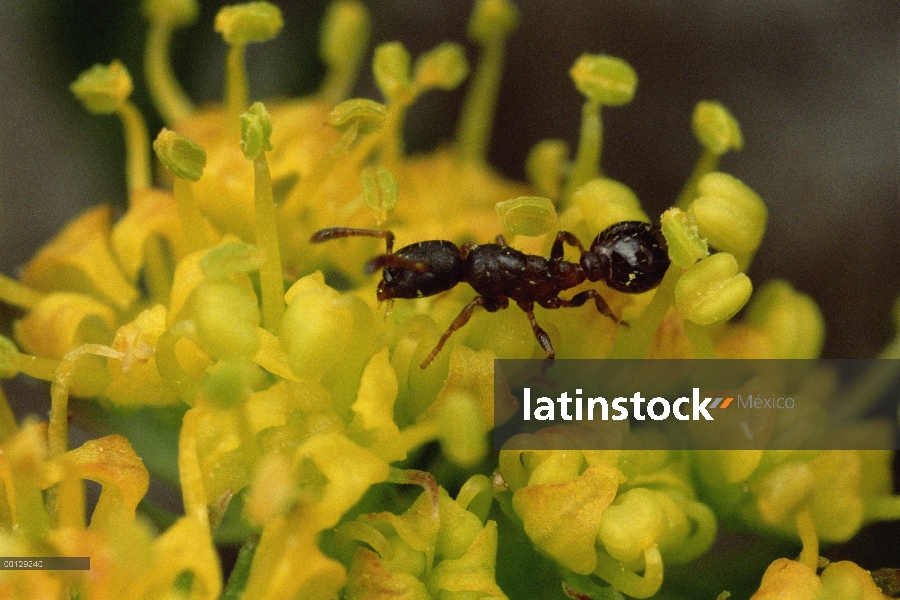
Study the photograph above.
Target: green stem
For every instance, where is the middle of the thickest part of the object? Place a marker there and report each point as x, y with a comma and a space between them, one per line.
270, 275
590, 145
699, 339
474, 129
707, 163
192, 224
237, 581
137, 147
168, 97
635, 341
236, 93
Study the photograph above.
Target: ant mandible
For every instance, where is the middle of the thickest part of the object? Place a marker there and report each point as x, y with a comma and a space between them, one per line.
630, 257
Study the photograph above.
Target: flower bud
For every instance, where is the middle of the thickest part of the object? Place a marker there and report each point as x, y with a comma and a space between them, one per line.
527, 215
716, 129
391, 69
462, 432
182, 156
604, 202
226, 317
791, 319
729, 214
256, 129
250, 22
686, 246
444, 67
604, 79
632, 523
231, 258
712, 290
492, 19
103, 89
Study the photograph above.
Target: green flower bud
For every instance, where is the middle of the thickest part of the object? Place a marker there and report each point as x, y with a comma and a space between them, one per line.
545, 166
792, 320
9, 358
528, 215
182, 156
444, 67
604, 201
712, 290
604, 79
250, 22
367, 114
103, 89
231, 259
492, 19
632, 523
256, 128
380, 191
175, 13
391, 69
729, 214
716, 129
685, 244
462, 432
226, 318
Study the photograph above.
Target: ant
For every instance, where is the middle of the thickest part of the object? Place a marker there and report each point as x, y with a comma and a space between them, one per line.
630, 257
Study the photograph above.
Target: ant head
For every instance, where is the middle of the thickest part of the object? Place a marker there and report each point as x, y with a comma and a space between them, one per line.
630, 256
419, 270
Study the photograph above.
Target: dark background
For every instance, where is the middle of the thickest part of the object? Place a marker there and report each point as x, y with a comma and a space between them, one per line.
813, 84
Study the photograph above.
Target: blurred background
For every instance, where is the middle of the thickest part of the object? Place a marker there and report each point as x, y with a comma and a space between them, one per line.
813, 84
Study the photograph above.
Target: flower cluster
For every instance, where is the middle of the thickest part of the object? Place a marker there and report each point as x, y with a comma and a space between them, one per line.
304, 406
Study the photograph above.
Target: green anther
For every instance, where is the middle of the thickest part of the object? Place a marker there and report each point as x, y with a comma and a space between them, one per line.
444, 67
367, 114
226, 317
103, 89
792, 320
492, 19
729, 214
685, 244
9, 358
391, 66
712, 290
380, 191
231, 259
545, 166
528, 215
344, 39
182, 156
174, 13
605, 201
604, 79
256, 129
250, 22
716, 129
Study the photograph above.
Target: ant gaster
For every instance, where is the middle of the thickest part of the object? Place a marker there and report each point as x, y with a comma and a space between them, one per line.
630, 257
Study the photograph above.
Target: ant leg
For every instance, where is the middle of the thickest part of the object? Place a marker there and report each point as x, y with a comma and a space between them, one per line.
501, 241
466, 248
541, 335
392, 260
490, 304
582, 297
556, 252
333, 233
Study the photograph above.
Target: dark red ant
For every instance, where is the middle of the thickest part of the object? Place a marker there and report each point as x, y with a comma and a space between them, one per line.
630, 256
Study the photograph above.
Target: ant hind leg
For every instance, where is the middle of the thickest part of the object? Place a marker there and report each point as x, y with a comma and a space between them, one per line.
541, 335
490, 304
580, 298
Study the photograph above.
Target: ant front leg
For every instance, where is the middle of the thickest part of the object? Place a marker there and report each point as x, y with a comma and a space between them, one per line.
490, 304
541, 335
333, 233
556, 252
580, 298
